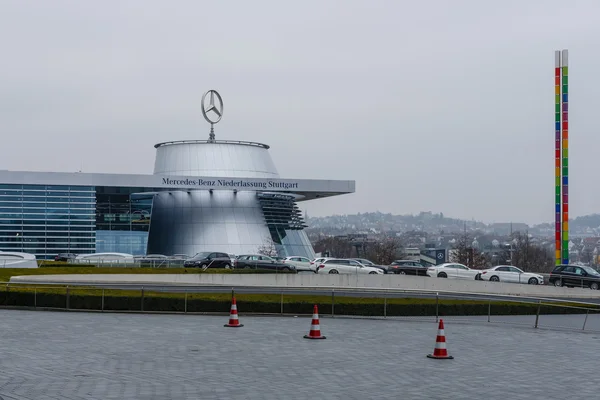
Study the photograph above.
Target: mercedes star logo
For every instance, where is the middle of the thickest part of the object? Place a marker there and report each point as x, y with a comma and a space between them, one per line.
211, 107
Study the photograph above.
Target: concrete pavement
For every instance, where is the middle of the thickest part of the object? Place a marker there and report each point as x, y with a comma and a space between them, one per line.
57, 355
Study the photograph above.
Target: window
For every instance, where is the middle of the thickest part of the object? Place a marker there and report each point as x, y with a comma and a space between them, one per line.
591, 271
503, 269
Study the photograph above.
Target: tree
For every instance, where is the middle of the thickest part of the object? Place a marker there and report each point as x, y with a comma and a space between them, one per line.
335, 246
383, 251
530, 257
465, 254
267, 248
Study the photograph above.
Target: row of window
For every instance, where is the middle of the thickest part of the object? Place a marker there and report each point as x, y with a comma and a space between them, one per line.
46, 243
46, 187
44, 233
16, 201
53, 215
50, 252
67, 222
7, 207
44, 193
43, 226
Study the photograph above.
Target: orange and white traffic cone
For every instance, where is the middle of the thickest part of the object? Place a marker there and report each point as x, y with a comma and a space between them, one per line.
440, 352
315, 327
234, 322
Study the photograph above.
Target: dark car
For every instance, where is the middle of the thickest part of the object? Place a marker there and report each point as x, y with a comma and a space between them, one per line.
368, 263
208, 259
65, 257
407, 267
258, 261
575, 276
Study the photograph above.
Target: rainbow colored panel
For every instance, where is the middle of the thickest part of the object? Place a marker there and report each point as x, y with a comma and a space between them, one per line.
558, 107
565, 155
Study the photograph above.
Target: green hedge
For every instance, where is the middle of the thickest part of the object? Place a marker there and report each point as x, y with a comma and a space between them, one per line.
177, 304
148, 269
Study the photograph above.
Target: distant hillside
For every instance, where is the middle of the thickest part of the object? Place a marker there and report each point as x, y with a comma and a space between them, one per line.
377, 222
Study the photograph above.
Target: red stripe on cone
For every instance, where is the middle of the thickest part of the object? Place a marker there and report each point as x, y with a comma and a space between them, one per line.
234, 322
440, 352
315, 327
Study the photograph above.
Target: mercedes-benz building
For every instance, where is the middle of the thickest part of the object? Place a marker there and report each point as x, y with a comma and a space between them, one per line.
204, 195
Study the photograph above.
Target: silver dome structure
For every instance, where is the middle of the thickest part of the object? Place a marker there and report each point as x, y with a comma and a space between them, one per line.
231, 221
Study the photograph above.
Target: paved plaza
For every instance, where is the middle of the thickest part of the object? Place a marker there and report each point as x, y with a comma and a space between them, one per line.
73, 355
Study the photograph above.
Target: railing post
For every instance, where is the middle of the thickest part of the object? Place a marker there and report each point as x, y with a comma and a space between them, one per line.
332, 303
142, 302
489, 309
537, 315
281, 303
102, 306
34, 297
185, 303
437, 307
384, 306
585, 321
67, 298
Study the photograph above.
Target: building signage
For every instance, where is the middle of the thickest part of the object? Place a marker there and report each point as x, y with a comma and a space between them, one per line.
229, 183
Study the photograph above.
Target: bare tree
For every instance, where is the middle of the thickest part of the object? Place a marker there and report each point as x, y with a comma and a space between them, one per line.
383, 251
530, 257
267, 248
335, 247
465, 254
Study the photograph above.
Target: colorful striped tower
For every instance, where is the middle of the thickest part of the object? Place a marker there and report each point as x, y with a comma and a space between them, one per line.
557, 158
561, 155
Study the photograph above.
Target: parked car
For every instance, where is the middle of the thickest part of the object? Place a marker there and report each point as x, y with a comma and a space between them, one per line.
453, 271
345, 266
318, 261
575, 276
301, 263
209, 259
232, 257
508, 273
65, 257
407, 267
369, 263
256, 261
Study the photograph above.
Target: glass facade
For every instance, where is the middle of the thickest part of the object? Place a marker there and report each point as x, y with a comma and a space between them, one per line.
285, 223
122, 220
46, 220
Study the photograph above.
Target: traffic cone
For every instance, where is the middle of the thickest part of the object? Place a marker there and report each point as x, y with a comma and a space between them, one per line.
234, 322
440, 352
315, 327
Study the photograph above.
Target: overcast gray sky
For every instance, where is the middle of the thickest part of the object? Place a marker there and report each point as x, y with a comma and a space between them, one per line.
429, 105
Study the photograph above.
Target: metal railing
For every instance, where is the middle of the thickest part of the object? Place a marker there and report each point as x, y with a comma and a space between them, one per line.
139, 298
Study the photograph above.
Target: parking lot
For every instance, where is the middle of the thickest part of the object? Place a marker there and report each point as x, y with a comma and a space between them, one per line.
58, 355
